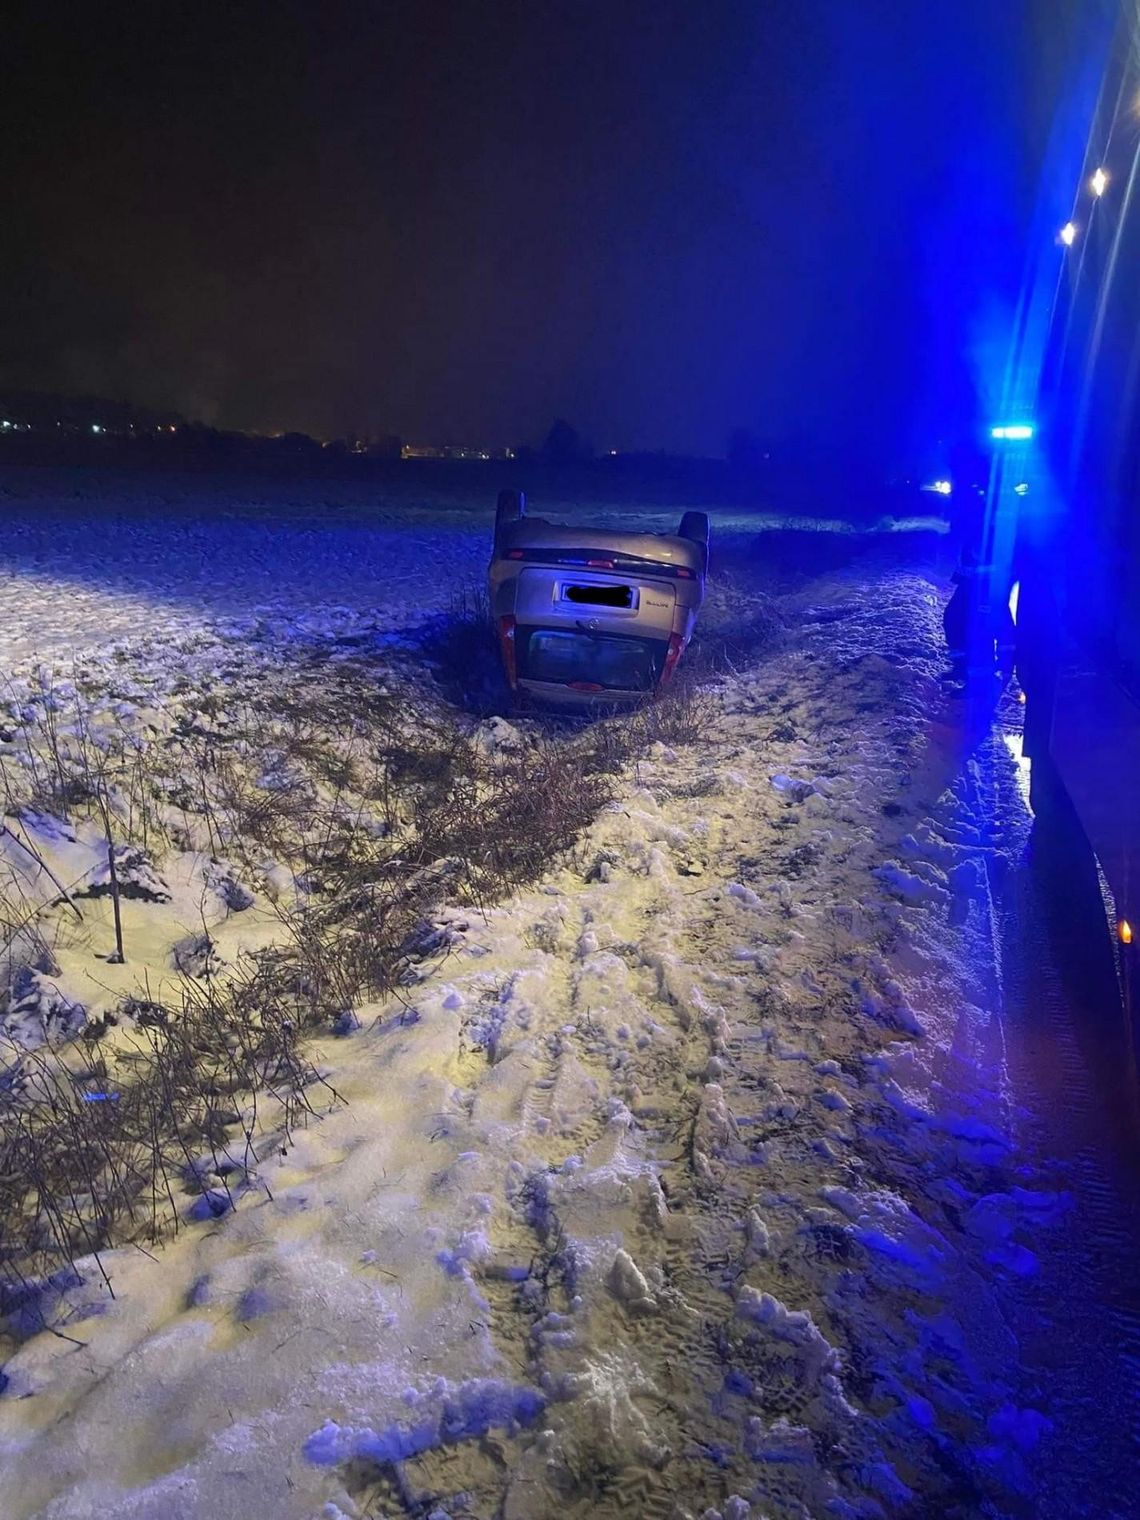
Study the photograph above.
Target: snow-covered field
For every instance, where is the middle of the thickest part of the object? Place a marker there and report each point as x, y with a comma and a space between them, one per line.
682, 1182
86, 557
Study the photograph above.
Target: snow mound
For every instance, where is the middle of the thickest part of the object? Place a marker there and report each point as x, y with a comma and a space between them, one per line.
444, 1415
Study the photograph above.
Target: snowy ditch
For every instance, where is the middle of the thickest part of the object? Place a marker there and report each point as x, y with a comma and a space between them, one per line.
677, 1181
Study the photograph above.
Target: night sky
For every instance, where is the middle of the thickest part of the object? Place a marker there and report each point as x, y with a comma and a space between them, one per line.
454, 222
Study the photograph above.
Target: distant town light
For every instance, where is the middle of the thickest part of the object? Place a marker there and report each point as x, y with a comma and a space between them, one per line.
1016, 432
95, 428
5, 423
1068, 234
1124, 929
1099, 183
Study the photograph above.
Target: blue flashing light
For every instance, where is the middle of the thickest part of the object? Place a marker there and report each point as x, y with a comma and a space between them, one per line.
1016, 432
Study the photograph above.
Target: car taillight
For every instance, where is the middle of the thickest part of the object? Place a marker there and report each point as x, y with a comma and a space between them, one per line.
586, 685
507, 626
672, 655
514, 554
686, 575
600, 564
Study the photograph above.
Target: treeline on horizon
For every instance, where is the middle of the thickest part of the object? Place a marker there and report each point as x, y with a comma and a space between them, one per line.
43, 429
54, 418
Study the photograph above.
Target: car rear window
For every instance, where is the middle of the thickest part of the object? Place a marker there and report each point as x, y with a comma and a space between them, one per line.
610, 661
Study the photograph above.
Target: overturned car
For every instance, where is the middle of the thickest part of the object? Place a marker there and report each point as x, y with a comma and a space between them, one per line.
592, 615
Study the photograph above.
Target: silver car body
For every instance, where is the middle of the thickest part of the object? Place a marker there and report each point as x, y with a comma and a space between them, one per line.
590, 615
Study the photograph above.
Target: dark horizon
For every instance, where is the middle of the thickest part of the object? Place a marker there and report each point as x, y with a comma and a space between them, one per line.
456, 223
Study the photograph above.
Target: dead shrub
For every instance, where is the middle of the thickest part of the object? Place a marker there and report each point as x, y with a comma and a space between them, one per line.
382, 808
513, 816
464, 650
92, 1156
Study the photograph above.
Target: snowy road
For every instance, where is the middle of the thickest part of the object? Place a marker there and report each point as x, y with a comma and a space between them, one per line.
693, 1180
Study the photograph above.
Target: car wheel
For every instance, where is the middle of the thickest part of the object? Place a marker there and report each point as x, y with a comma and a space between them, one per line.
695, 527
510, 508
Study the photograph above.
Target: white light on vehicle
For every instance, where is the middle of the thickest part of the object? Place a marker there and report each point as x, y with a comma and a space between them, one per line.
943, 487
1016, 432
1014, 598
1099, 183
1021, 488
1068, 234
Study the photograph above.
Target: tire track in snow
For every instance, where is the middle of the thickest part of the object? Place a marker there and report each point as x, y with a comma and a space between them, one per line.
758, 1141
